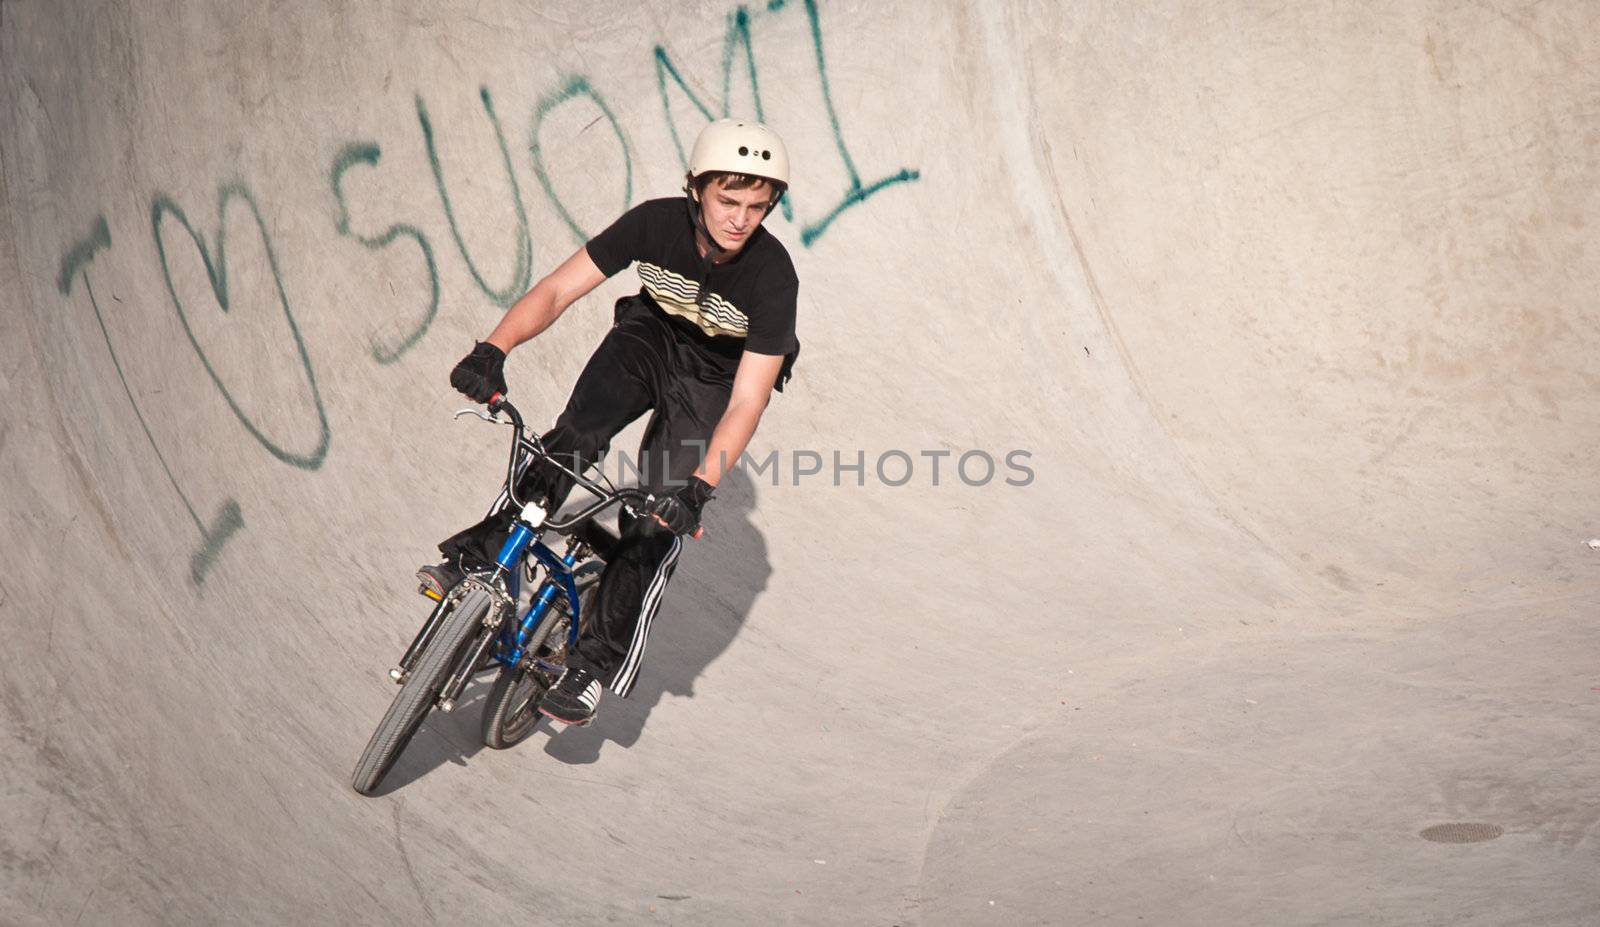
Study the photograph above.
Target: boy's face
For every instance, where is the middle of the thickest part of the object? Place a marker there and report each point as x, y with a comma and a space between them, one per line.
733, 215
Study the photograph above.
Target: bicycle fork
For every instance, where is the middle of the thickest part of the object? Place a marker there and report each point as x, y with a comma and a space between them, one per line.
486, 637
494, 622
424, 636
510, 555
502, 602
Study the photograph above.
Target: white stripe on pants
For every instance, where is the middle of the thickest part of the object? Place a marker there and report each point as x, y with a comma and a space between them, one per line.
622, 684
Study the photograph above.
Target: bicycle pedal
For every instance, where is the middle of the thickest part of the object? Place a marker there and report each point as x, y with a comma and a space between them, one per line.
428, 592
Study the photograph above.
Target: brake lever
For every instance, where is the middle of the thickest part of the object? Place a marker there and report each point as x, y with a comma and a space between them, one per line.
491, 419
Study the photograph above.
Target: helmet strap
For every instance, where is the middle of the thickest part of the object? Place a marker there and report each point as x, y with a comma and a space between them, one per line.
713, 251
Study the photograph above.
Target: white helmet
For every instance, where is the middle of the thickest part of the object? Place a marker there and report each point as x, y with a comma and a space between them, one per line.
740, 147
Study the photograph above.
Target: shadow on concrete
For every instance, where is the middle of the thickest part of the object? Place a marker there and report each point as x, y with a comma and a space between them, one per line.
443, 738
717, 581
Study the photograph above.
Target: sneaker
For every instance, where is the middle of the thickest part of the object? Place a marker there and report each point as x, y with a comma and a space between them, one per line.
573, 699
437, 579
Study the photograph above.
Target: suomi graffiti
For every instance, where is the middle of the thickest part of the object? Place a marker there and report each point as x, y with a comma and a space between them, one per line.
735, 38
522, 276
367, 153
574, 89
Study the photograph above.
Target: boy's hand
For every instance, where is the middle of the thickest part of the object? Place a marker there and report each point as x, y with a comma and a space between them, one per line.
680, 511
481, 374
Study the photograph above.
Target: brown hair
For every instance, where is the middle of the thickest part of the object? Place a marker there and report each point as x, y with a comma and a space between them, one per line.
734, 181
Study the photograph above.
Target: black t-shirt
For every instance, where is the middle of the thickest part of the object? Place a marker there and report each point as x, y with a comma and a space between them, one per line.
749, 303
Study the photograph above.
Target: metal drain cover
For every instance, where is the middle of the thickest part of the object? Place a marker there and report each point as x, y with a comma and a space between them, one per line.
1466, 832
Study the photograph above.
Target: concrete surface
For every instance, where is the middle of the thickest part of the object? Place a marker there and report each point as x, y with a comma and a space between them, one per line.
1293, 307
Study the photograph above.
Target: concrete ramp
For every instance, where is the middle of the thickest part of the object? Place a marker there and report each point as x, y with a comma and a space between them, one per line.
1178, 516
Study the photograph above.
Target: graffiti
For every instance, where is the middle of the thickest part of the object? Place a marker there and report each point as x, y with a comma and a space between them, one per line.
575, 87
857, 192
229, 519
79, 256
738, 60
217, 271
738, 36
367, 153
523, 274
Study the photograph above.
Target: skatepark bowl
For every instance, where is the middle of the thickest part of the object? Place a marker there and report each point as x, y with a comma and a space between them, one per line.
1180, 513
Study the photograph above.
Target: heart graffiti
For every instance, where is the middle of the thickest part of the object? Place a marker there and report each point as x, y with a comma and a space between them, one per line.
217, 271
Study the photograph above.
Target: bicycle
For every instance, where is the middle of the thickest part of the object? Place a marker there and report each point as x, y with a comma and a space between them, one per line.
468, 632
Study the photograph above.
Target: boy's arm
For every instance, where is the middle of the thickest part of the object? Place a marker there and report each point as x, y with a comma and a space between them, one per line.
752, 390
543, 304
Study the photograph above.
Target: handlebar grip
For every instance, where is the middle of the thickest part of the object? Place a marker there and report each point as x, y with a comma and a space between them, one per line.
498, 403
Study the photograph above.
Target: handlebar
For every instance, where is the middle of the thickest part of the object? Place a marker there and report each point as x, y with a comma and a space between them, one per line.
627, 495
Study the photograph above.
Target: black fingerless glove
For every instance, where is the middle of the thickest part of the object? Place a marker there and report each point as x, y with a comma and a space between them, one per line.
681, 510
481, 374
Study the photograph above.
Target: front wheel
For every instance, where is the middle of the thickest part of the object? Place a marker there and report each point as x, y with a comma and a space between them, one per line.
512, 710
422, 687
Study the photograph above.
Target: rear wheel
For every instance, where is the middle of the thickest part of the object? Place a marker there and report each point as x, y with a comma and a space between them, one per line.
421, 688
512, 711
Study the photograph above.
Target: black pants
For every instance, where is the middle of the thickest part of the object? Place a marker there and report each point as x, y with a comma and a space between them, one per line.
642, 365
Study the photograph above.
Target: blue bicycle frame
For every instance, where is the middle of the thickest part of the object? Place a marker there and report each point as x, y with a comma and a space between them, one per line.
558, 569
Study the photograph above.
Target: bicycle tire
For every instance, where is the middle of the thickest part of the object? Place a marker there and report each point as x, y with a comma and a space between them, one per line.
511, 712
404, 717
